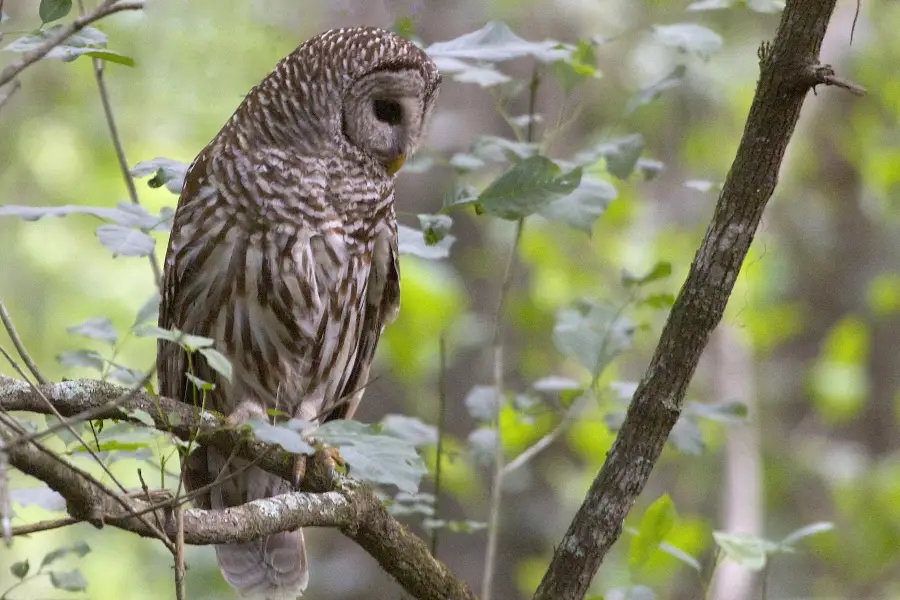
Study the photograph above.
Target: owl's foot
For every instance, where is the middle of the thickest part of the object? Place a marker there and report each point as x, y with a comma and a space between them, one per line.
246, 411
330, 457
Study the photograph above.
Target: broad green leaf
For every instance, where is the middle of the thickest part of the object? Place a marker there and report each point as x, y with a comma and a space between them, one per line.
621, 155
217, 362
374, 456
70, 581
495, 42
97, 328
410, 429
655, 525
689, 38
289, 439
88, 41
125, 241
804, 532
200, 384
149, 312
583, 206
78, 549
681, 555
652, 92
747, 550
412, 241
126, 375
659, 301
728, 411
165, 171
143, 416
483, 403
592, 333
115, 445
435, 227
82, 358
527, 187
660, 270
51, 10
686, 437
20, 569
185, 340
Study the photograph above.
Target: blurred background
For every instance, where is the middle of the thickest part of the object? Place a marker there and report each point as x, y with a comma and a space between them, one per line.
808, 344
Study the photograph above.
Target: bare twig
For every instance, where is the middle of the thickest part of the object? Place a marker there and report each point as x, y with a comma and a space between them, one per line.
43, 526
442, 416
15, 87
119, 148
106, 8
180, 593
540, 445
497, 345
20, 347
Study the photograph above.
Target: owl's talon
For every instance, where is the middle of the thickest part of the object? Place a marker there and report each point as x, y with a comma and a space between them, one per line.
299, 470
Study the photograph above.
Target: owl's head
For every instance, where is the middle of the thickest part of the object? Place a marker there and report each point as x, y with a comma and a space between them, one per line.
361, 90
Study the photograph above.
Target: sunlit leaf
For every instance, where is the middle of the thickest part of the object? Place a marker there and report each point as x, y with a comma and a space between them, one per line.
583, 206
125, 241
185, 340
621, 154
411, 429
660, 270
412, 241
496, 42
689, 38
165, 171
97, 328
747, 550
374, 456
592, 333
288, 438
435, 227
87, 41
82, 358
681, 555
126, 214
527, 187
655, 525
142, 416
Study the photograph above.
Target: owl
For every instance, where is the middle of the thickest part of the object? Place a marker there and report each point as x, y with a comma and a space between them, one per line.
284, 251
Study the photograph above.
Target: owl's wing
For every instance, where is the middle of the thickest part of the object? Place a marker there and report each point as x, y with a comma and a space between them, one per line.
382, 307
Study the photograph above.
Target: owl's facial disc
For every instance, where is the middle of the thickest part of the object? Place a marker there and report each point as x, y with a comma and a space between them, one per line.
384, 115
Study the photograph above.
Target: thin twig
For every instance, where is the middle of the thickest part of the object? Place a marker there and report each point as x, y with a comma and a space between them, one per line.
442, 417
106, 8
15, 87
540, 445
180, 592
43, 526
20, 347
497, 344
120, 149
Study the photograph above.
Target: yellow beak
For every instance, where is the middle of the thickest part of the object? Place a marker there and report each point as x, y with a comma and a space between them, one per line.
394, 165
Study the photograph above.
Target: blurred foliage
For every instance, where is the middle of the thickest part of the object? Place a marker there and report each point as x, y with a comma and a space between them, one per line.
638, 107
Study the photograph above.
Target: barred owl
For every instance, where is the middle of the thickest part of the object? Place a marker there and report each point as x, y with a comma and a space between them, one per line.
284, 251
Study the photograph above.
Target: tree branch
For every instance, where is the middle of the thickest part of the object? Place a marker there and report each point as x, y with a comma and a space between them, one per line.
327, 500
786, 76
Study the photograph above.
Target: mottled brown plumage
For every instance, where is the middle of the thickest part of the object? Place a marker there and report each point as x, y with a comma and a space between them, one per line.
284, 251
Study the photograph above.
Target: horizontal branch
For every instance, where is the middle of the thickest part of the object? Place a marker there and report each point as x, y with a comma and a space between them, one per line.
326, 499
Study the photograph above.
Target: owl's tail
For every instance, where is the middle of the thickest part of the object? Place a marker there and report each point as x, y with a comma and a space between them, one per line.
269, 568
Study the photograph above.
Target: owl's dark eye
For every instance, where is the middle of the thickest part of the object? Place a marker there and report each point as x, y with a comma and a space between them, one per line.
388, 111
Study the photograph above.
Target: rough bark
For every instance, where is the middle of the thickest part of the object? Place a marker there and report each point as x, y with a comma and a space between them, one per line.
789, 68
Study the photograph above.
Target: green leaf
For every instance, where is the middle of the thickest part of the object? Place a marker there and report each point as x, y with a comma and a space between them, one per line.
482, 403
82, 358
126, 214
621, 155
686, 437
113, 57
288, 438
658, 301
592, 333
71, 581
373, 456
747, 550
125, 241
689, 38
96, 328
681, 555
115, 445
185, 340
805, 532
217, 362
165, 171
143, 416
495, 42
86, 41
200, 384
149, 312
498, 149
581, 208
728, 411
660, 270
413, 242
528, 186
79, 549
126, 375
483, 75
410, 429
435, 227
51, 10
654, 91
655, 525
20, 569
556, 383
